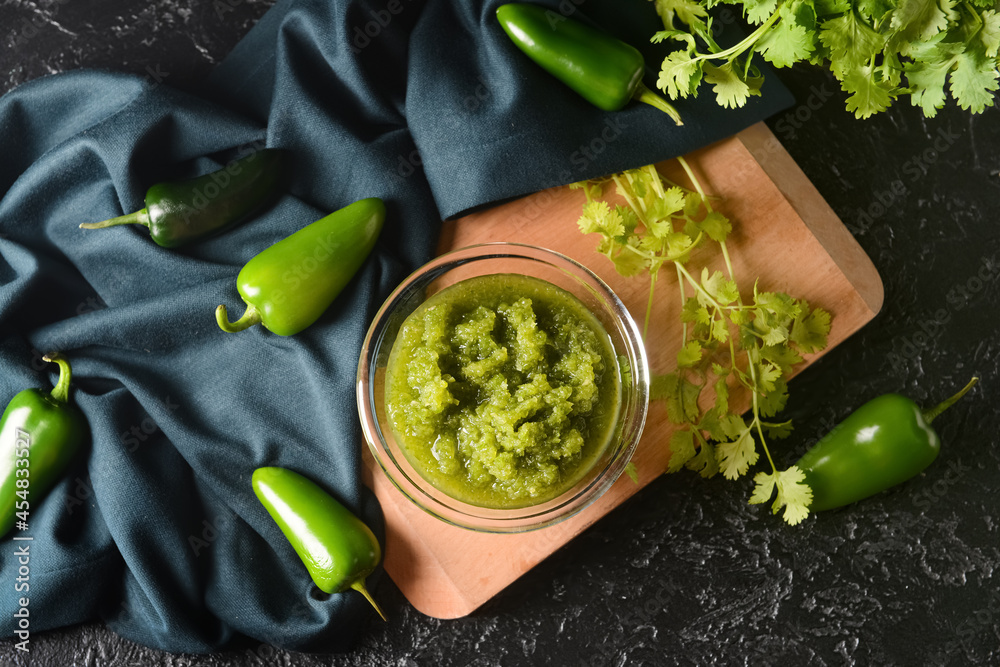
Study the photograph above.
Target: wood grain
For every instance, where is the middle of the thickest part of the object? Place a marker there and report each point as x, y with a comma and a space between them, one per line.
783, 232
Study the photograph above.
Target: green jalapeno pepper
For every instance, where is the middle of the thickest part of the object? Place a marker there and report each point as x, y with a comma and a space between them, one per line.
40, 434
337, 548
883, 443
290, 284
181, 212
606, 71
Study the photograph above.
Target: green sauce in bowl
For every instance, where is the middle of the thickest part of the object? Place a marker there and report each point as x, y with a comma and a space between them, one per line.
503, 390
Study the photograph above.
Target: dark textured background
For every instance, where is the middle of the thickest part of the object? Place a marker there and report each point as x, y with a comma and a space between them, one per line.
686, 572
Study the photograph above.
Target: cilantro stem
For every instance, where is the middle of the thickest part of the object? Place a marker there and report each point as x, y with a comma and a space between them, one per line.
694, 181
973, 13
756, 414
638, 207
748, 42
649, 302
708, 207
701, 290
680, 288
729, 264
656, 178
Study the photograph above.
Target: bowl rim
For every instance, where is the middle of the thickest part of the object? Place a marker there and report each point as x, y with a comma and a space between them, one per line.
531, 517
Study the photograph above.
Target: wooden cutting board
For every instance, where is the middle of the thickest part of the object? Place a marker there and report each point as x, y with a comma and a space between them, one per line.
783, 232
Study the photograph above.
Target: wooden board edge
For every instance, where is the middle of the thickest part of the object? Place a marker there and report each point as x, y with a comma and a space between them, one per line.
369, 471
816, 213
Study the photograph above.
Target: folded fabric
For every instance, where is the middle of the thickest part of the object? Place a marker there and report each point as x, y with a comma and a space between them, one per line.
424, 104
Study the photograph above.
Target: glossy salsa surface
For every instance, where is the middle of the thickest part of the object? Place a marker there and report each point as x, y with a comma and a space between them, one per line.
503, 391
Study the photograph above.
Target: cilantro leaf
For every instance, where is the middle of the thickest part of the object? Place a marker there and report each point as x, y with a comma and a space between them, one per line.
680, 394
766, 376
735, 457
716, 226
704, 462
782, 356
733, 425
794, 493
786, 43
690, 354
680, 75
681, 449
598, 217
927, 84
758, 11
974, 79
873, 10
810, 331
868, 95
731, 90
670, 203
782, 430
989, 34
719, 331
832, 7
721, 397
694, 311
690, 12
628, 263
720, 288
773, 402
663, 35
921, 20
763, 489
775, 335
775, 303
851, 43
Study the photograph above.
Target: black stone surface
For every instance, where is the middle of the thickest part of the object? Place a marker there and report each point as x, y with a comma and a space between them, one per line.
686, 573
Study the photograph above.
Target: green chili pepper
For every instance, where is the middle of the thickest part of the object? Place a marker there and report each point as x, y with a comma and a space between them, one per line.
40, 433
883, 443
337, 548
182, 212
290, 284
606, 71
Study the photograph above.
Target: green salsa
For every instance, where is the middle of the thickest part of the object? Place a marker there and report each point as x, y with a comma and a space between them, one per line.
502, 391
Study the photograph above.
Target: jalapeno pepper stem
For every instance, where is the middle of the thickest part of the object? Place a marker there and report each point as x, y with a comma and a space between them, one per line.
140, 217
359, 586
931, 415
644, 94
60, 392
249, 319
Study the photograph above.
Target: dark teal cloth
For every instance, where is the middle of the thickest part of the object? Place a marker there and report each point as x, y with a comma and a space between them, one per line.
425, 104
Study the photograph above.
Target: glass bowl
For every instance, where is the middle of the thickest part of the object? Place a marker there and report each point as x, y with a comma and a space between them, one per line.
506, 258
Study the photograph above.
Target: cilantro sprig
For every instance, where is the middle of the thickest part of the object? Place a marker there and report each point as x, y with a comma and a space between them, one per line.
879, 50
727, 341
